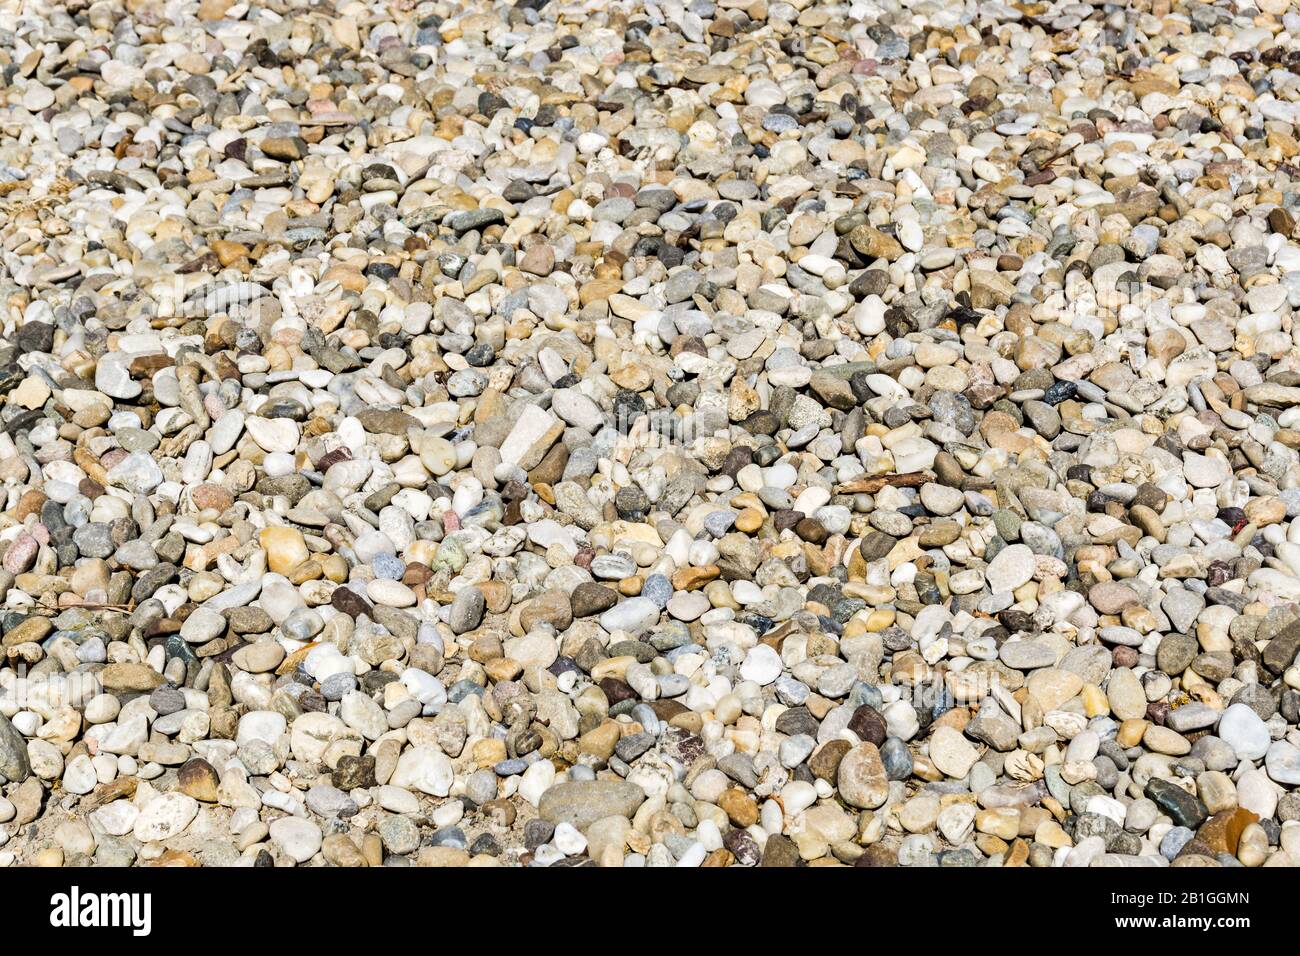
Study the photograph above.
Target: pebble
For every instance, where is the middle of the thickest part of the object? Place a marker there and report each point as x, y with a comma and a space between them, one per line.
951, 753
1012, 567
762, 665
1242, 730
297, 839
165, 817
581, 803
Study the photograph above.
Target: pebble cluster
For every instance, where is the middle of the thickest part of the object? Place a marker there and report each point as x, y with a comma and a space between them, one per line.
649, 433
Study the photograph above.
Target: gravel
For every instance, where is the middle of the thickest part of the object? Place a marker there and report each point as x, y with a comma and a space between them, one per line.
649, 434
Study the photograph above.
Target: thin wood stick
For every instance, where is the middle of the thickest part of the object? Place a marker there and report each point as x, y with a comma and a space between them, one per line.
85, 607
909, 479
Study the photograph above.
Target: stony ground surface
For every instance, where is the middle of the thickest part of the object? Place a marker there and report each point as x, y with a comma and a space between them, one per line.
647, 434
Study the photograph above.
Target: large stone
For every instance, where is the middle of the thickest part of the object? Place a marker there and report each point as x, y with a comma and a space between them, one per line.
1222, 832
1281, 651
14, 765
1128, 701
298, 839
285, 548
533, 434
952, 753
1052, 687
1242, 730
861, 777
130, 676
583, 802
1282, 763
168, 815
424, 768
198, 779
1012, 567
1184, 808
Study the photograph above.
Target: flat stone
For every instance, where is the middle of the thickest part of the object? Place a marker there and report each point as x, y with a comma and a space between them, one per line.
1012, 567
583, 802
951, 753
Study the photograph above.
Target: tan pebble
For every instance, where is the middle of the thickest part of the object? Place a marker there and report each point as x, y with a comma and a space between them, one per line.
285, 548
